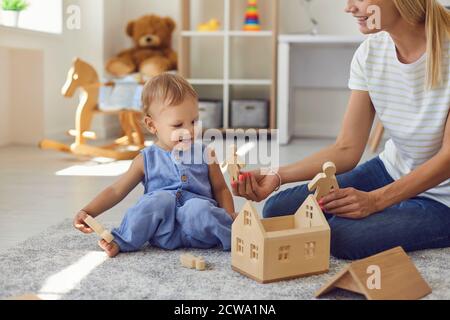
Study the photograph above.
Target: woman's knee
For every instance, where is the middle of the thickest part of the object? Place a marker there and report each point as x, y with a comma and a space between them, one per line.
346, 244
286, 202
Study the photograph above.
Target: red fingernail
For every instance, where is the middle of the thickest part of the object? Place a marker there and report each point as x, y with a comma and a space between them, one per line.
241, 177
233, 183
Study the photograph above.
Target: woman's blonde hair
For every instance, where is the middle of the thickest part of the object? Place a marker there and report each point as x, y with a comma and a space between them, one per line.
437, 23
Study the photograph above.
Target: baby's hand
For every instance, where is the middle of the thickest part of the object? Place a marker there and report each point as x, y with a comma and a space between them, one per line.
78, 222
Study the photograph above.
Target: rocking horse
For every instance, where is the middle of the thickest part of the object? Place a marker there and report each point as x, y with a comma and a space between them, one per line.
83, 76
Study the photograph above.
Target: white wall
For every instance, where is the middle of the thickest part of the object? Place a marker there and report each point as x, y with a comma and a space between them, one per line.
4, 97
26, 98
58, 52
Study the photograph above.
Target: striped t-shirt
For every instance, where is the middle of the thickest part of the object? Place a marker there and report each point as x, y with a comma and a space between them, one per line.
414, 118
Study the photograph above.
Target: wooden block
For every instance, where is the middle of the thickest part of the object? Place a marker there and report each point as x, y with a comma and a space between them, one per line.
390, 275
192, 262
98, 228
200, 264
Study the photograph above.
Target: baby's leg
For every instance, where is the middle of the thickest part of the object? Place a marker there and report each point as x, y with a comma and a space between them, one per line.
205, 225
152, 217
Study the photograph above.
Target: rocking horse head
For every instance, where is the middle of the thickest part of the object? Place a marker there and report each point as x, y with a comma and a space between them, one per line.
81, 74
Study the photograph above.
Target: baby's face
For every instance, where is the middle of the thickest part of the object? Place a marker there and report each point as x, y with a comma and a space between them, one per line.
176, 125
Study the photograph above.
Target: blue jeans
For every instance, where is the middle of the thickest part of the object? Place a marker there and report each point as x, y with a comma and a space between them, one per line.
415, 224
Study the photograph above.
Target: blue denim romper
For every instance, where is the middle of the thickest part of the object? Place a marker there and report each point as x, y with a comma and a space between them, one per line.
177, 209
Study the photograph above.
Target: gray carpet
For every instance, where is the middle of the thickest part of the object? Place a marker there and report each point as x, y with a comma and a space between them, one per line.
62, 263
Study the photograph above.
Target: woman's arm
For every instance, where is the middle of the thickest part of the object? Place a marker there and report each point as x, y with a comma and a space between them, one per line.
220, 189
354, 204
346, 153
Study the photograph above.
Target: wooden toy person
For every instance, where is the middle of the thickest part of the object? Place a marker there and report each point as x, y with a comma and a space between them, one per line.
324, 182
234, 164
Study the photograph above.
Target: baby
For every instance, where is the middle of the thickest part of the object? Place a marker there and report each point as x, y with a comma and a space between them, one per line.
186, 201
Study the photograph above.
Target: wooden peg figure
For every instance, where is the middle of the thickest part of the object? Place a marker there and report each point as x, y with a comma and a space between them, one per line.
234, 164
325, 182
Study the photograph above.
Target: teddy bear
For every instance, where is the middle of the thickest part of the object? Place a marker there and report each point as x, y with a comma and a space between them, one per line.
152, 53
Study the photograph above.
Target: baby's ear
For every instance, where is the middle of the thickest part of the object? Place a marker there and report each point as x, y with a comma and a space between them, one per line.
148, 122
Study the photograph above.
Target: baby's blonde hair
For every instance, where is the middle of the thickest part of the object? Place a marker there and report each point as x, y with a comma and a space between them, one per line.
168, 89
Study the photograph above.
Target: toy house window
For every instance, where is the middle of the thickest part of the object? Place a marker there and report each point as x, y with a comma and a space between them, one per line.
254, 252
310, 250
283, 254
240, 246
247, 218
309, 212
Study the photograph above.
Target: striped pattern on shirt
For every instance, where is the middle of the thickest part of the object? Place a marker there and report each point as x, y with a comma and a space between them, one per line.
414, 118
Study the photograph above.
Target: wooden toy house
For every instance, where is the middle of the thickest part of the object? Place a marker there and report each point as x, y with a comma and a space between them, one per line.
269, 250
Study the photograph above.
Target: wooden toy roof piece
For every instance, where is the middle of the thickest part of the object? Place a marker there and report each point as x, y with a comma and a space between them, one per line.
234, 164
98, 228
192, 262
281, 248
398, 278
324, 182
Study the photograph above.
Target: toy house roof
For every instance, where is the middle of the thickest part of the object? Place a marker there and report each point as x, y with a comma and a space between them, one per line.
290, 224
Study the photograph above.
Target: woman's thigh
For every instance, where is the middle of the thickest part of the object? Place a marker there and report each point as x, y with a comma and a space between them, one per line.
415, 224
366, 177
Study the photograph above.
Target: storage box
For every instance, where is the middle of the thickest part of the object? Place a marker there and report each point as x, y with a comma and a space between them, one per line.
211, 112
250, 114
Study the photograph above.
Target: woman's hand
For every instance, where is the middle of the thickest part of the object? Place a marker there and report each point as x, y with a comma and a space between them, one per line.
349, 203
254, 186
78, 222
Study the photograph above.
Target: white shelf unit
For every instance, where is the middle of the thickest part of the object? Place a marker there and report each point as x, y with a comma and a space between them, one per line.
187, 34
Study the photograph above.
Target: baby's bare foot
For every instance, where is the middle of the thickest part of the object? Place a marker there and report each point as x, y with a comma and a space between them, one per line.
112, 249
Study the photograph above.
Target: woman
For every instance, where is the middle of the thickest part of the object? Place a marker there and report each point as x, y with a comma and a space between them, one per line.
401, 198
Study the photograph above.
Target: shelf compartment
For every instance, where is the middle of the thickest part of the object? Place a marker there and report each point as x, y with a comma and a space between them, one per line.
251, 82
206, 82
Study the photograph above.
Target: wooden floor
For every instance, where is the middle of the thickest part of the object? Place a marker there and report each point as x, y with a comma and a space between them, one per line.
42, 188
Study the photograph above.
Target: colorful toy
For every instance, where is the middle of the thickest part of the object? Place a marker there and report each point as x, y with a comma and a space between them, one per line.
192, 262
211, 25
252, 17
324, 182
389, 275
269, 250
